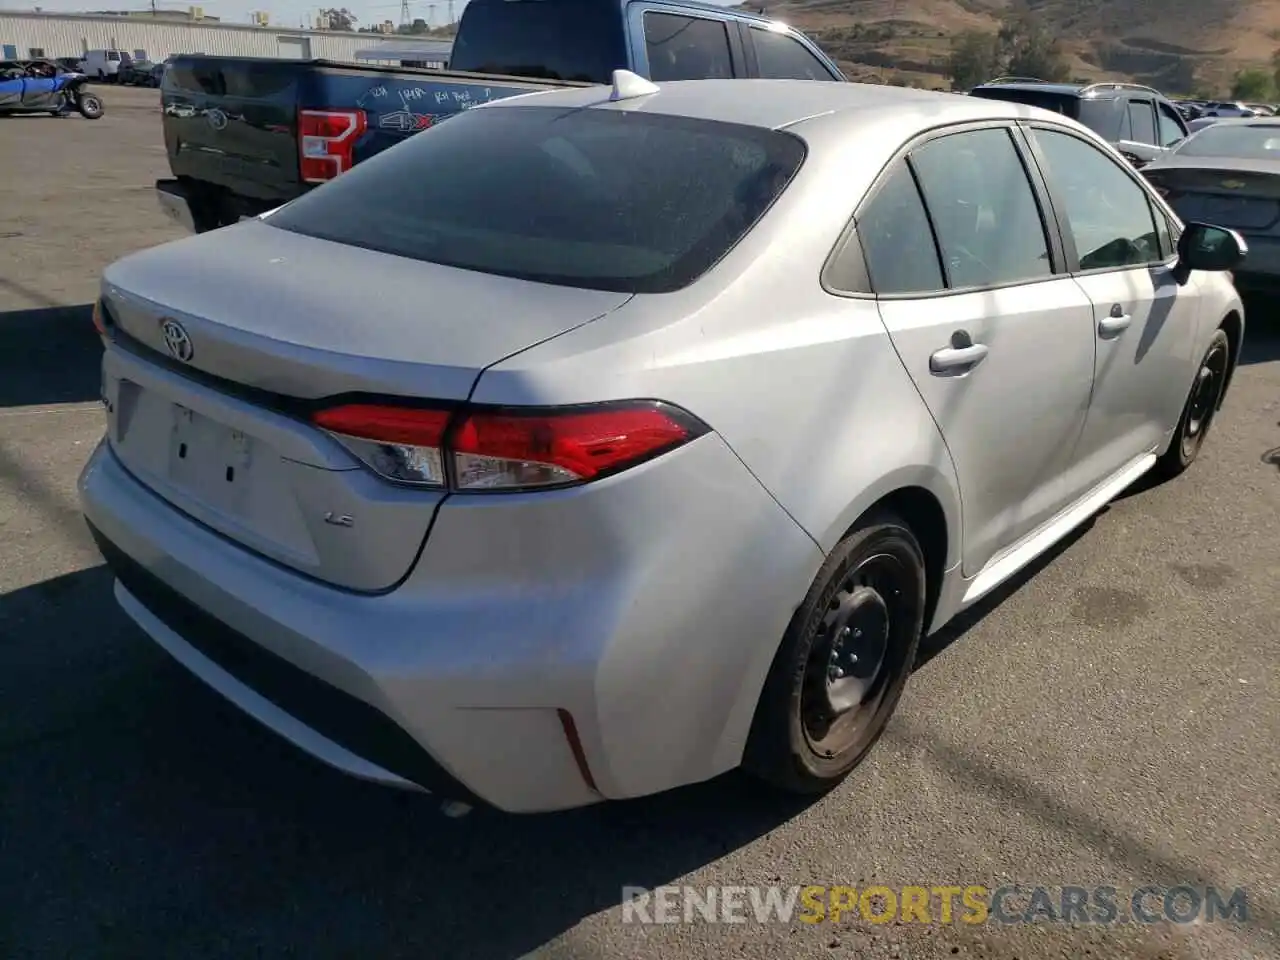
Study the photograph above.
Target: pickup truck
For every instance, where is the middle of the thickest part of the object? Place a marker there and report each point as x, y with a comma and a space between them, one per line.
245, 135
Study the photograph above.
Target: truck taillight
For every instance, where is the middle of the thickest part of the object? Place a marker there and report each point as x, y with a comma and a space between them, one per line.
507, 449
327, 142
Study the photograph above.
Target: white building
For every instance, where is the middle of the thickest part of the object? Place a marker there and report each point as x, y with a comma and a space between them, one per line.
29, 34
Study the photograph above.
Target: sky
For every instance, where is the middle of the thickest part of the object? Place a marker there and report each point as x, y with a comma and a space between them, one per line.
288, 13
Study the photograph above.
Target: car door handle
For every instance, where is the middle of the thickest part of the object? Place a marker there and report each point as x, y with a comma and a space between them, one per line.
954, 358
1117, 322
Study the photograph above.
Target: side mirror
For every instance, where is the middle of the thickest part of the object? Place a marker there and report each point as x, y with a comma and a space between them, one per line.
1203, 246
1140, 154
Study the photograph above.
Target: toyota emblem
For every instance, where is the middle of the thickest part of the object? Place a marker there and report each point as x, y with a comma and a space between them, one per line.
217, 119
176, 340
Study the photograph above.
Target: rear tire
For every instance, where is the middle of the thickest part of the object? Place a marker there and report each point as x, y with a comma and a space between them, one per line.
843, 662
1199, 410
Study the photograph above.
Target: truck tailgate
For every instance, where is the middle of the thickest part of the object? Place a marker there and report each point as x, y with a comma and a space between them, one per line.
233, 122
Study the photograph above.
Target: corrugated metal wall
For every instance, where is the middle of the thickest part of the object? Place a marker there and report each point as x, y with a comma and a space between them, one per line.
70, 36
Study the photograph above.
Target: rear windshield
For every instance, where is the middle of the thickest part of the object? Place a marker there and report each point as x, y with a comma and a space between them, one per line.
598, 198
578, 40
1065, 104
1247, 141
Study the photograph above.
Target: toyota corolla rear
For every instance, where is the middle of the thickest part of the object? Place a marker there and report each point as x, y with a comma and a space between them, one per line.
503, 603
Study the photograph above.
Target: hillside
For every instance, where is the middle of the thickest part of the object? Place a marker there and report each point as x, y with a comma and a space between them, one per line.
1179, 45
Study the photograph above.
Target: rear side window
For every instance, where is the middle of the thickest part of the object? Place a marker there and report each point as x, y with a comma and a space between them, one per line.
113, 56
984, 211
1142, 122
602, 199
687, 48
896, 240
575, 40
782, 57
1170, 129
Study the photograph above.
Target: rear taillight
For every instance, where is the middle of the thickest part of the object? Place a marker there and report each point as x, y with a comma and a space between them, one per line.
476, 449
101, 319
327, 142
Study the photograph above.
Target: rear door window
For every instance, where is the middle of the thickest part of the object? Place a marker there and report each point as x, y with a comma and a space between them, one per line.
560, 197
574, 40
780, 56
984, 211
113, 56
1142, 122
893, 230
687, 48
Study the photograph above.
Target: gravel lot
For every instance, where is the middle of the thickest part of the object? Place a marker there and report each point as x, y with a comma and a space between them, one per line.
1113, 719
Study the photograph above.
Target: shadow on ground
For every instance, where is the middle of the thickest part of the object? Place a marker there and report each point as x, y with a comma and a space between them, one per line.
48, 355
139, 809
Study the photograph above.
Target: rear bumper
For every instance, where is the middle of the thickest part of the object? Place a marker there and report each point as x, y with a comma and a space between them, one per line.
650, 621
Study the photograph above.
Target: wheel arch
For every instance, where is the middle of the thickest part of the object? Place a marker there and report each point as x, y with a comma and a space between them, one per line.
1233, 325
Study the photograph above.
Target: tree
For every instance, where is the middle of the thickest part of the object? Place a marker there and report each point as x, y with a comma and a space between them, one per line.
975, 58
1252, 85
339, 19
1030, 49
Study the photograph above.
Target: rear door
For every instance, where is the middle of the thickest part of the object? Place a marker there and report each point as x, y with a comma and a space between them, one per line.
233, 122
673, 43
1118, 244
997, 338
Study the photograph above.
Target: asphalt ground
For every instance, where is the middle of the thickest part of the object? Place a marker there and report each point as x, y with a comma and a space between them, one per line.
1111, 719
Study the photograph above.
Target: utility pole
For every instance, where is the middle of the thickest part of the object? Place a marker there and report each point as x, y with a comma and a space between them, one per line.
431, 15
451, 12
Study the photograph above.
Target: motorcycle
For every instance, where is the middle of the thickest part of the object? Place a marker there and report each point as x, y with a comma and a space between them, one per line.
41, 87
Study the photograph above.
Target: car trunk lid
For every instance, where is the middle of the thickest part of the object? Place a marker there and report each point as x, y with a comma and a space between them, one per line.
226, 340
1226, 194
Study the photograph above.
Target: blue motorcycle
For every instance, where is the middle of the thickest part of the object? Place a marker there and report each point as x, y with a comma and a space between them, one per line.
41, 86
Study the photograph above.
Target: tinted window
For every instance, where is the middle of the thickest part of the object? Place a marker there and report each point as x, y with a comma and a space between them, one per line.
781, 57
1066, 104
1110, 217
1246, 141
554, 39
1170, 128
984, 212
686, 48
113, 56
604, 199
1142, 122
896, 240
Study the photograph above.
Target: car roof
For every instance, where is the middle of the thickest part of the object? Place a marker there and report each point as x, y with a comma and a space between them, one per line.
774, 104
1065, 89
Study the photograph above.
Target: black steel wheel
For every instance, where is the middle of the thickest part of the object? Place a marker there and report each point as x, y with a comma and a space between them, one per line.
844, 661
1202, 405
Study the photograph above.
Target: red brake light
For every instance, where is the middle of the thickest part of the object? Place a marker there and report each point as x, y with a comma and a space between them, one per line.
327, 141
506, 449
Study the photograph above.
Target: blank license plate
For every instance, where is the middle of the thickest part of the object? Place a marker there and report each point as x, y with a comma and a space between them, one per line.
209, 461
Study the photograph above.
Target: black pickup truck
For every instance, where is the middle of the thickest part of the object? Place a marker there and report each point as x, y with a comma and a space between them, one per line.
245, 135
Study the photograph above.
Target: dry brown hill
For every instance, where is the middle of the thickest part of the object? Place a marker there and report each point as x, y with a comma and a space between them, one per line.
1180, 45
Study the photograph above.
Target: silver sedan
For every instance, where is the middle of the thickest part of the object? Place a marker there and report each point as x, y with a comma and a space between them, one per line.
597, 442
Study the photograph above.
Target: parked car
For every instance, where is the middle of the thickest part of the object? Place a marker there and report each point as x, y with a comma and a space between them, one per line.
602, 440
105, 64
1229, 173
312, 120
1228, 109
136, 73
1138, 120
